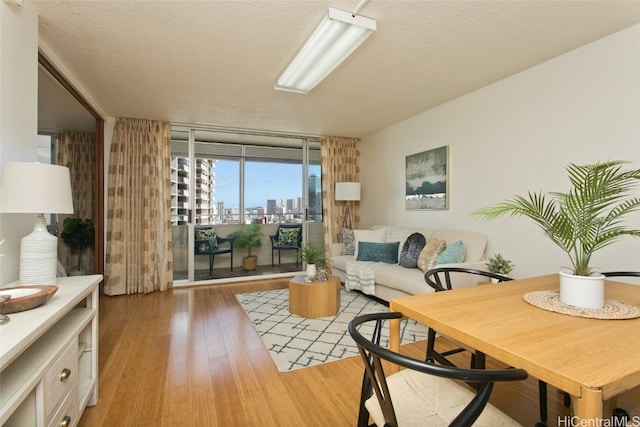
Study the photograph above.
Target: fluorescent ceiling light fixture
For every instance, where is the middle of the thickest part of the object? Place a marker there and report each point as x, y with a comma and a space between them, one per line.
337, 36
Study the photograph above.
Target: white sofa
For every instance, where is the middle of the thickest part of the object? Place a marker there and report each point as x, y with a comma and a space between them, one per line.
394, 280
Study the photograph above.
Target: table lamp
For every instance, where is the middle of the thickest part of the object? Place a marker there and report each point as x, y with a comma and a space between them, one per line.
36, 188
348, 191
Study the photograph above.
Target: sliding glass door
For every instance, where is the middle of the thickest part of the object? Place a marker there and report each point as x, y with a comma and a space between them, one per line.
226, 180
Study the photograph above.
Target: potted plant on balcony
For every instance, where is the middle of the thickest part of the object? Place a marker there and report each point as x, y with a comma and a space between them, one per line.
313, 256
248, 238
78, 234
581, 221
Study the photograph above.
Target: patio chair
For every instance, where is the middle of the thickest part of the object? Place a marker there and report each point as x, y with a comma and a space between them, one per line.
207, 242
288, 237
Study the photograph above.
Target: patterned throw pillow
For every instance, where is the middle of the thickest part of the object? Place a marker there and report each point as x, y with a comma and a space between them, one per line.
411, 250
288, 236
379, 252
453, 254
348, 242
208, 234
430, 252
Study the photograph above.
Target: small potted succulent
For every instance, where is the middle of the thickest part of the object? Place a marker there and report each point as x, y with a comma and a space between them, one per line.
499, 265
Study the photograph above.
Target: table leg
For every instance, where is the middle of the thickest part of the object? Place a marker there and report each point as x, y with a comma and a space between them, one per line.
588, 406
394, 341
394, 335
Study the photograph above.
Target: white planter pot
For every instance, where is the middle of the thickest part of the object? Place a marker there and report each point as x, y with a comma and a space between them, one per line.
311, 271
582, 291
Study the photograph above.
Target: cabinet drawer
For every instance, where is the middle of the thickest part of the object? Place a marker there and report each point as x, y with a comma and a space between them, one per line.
62, 377
67, 414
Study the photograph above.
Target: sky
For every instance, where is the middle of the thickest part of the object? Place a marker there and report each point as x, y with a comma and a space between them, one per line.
263, 181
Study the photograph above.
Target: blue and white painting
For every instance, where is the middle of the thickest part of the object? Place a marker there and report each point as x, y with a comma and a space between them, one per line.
427, 184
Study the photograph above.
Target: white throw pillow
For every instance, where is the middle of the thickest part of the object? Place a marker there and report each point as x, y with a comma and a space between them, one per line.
375, 236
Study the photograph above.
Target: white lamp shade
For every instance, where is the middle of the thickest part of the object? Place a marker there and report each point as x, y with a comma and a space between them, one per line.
35, 188
347, 191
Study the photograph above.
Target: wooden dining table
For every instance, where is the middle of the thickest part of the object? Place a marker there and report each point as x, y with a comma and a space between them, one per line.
591, 359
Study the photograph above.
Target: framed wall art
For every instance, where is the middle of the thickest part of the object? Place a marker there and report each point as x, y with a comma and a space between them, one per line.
427, 179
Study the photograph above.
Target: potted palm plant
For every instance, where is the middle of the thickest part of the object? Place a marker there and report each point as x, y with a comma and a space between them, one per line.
581, 221
313, 256
79, 234
248, 238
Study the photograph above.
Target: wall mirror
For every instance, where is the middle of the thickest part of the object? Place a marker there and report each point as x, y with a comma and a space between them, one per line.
71, 133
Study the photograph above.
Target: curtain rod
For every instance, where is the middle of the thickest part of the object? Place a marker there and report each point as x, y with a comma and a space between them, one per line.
243, 131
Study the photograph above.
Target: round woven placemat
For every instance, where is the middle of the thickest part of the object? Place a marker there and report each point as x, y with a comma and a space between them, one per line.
612, 310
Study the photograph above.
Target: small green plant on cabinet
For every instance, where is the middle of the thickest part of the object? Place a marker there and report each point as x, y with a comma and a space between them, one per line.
79, 234
312, 254
499, 265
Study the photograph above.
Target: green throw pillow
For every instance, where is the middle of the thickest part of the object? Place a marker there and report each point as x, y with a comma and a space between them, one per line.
379, 252
453, 254
208, 234
288, 237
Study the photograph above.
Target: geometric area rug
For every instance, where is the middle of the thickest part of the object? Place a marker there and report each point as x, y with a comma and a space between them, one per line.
296, 342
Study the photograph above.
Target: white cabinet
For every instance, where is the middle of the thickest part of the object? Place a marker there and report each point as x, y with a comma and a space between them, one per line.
49, 358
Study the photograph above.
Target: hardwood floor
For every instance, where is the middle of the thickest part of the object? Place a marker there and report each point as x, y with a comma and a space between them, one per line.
190, 357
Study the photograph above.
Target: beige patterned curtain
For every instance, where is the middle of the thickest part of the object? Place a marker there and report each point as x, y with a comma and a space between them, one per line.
340, 159
139, 258
76, 151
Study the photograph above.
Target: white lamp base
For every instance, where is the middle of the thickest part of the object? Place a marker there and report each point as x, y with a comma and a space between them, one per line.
39, 256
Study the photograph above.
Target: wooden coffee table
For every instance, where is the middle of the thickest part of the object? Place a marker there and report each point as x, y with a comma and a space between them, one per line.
320, 298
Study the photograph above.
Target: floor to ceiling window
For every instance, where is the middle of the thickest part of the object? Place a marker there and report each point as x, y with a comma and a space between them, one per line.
229, 179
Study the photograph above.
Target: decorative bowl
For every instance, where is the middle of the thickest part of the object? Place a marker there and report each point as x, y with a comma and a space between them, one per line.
25, 297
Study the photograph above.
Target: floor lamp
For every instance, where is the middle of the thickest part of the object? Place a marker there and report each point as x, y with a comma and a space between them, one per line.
38, 188
348, 192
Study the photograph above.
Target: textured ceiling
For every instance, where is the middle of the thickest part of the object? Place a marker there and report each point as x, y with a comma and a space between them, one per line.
215, 62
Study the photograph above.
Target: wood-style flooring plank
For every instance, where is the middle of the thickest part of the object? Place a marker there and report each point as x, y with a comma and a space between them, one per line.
190, 357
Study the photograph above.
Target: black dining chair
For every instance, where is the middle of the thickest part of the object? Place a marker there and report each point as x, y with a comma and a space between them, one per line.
423, 393
443, 279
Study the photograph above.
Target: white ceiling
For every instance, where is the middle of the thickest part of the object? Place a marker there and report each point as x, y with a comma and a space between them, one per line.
215, 62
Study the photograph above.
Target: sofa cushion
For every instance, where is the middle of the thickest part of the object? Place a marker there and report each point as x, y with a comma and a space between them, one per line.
429, 253
379, 252
348, 242
474, 243
453, 254
411, 250
376, 236
408, 280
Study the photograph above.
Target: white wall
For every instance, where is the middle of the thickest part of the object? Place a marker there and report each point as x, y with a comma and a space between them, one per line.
18, 116
514, 136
